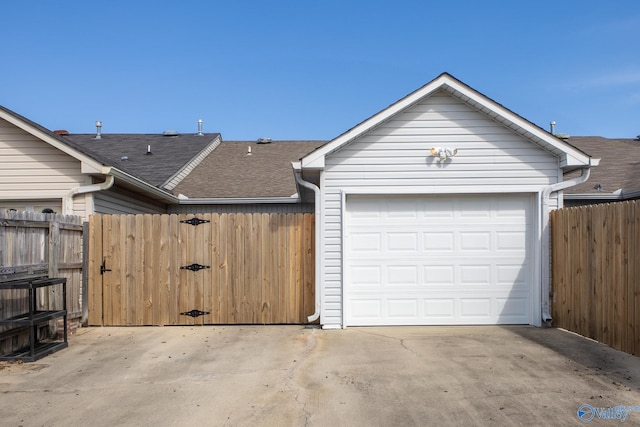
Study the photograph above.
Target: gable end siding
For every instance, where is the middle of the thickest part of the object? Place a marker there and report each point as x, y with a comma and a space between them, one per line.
394, 158
32, 169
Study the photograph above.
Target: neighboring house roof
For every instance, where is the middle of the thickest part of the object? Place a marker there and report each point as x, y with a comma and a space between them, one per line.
128, 152
231, 172
570, 157
618, 174
178, 155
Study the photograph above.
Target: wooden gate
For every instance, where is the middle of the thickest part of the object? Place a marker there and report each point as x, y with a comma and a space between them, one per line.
204, 269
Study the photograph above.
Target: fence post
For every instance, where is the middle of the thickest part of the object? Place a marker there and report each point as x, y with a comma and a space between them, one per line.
54, 247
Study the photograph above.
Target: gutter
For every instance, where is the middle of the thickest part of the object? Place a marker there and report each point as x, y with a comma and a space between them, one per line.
297, 172
67, 201
111, 174
545, 238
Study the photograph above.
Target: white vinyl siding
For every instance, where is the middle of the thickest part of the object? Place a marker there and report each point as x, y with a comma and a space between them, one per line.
394, 158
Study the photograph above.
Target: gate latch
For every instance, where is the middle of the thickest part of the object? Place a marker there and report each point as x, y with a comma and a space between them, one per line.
103, 267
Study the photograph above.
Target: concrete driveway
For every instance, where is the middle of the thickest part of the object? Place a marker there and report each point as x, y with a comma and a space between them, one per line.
296, 376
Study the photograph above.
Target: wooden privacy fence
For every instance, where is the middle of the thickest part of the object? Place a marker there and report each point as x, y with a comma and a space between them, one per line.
209, 269
596, 272
38, 245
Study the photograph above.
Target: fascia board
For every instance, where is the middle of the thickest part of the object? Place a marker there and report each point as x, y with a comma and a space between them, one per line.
592, 196
87, 162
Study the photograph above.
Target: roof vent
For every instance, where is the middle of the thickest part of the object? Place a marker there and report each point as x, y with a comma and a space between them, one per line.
98, 129
170, 132
638, 138
264, 140
552, 129
200, 128
61, 132
124, 158
563, 136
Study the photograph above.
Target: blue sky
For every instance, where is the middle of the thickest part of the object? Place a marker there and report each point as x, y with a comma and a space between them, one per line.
313, 69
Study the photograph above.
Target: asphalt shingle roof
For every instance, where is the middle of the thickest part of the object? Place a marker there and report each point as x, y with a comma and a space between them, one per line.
128, 152
619, 166
230, 172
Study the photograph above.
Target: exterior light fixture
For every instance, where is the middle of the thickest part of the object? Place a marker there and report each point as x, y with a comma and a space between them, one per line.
443, 153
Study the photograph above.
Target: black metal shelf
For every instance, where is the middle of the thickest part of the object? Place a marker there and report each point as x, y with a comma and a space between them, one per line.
28, 319
33, 318
40, 350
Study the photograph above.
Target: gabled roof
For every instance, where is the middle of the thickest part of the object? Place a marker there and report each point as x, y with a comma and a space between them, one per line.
128, 152
618, 173
231, 172
570, 157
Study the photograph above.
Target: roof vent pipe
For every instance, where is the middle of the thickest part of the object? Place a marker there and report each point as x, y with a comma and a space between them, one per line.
553, 128
98, 129
200, 128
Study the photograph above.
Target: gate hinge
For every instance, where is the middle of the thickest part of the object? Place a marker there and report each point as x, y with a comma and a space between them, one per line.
194, 221
194, 313
194, 267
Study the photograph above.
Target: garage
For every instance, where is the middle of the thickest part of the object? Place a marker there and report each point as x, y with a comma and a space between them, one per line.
435, 211
438, 260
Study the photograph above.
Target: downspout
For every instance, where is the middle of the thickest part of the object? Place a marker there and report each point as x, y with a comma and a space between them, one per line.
298, 174
68, 198
545, 238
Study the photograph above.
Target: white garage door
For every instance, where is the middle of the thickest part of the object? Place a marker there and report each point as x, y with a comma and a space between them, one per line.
438, 260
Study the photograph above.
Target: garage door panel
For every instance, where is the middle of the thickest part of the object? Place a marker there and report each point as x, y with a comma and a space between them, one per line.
408, 268
511, 240
442, 275
438, 241
475, 275
401, 241
402, 308
475, 308
366, 310
512, 274
366, 242
402, 275
435, 208
439, 308
366, 275
475, 241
